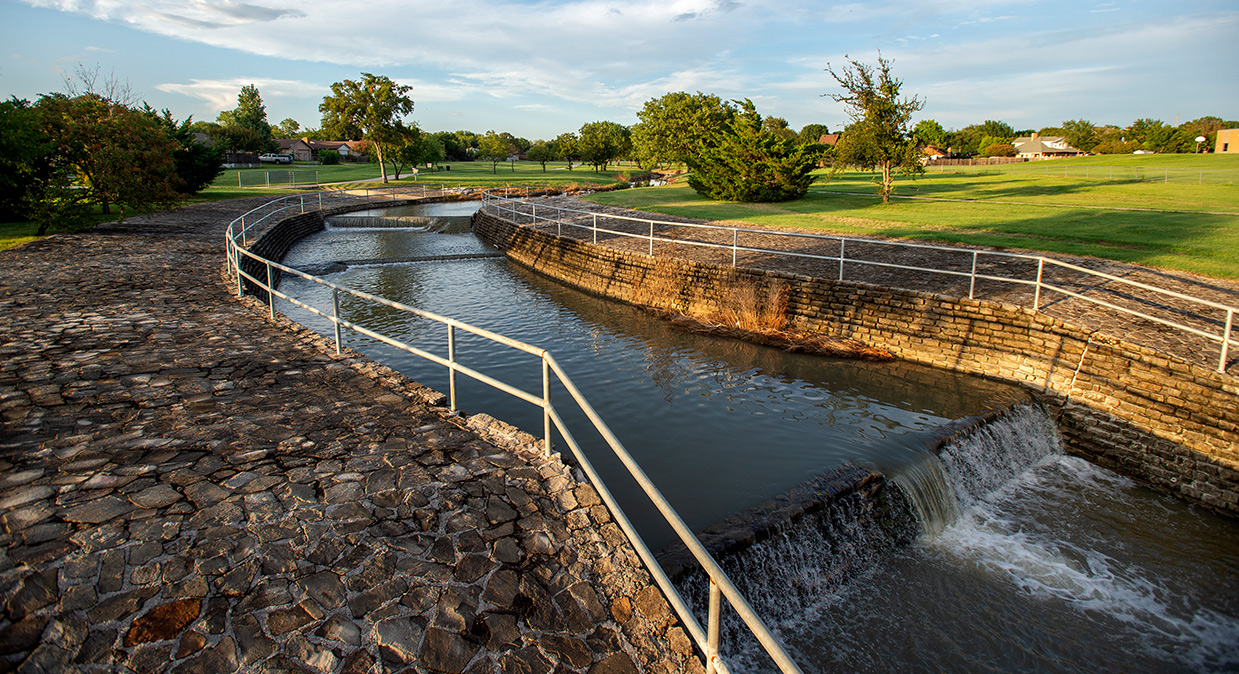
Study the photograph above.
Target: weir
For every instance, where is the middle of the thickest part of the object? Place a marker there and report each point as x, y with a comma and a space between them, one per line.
854, 568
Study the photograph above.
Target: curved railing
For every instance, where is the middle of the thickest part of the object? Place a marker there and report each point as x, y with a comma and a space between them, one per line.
260, 219
523, 211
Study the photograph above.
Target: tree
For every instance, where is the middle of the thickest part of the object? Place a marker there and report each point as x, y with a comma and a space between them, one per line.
811, 134
930, 132
494, 148
677, 125
565, 145
541, 152
779, 127
878, 137
400, 145
999, 149
118, 155
366, 109
970, 139
197, 165
245, 127
748, 161
1081, 134
601, 143
289, 128
24, 153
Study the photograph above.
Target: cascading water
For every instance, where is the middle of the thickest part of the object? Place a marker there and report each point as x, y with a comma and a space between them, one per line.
1011, 571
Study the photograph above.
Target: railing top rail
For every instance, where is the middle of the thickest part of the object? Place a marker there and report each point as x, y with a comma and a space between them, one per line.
711, 568
900, 244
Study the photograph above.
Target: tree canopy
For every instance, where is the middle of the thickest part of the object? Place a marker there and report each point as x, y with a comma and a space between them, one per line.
878, 137
371, 108
749, 160
245, 127
600, 143
677, 125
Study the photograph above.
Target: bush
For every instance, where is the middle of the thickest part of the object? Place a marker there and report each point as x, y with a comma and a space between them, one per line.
999, 150
328, 157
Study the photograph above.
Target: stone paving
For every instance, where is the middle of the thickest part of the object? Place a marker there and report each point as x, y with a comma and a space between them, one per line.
1191, 347
186, 486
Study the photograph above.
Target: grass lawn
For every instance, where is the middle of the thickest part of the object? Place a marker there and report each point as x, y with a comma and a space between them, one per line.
1053, 215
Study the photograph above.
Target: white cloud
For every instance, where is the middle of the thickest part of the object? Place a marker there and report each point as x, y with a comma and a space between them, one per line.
222, 94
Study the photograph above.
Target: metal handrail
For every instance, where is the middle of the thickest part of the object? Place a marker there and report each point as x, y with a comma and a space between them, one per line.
720, 585
1226, 337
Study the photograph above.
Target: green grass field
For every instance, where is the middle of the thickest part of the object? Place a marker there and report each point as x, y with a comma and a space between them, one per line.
469, 174
1056, 215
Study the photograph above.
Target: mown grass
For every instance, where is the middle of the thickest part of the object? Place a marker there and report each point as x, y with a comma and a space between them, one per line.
1069, 216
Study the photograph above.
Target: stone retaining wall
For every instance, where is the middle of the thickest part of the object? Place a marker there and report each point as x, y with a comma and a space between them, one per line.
1153, 417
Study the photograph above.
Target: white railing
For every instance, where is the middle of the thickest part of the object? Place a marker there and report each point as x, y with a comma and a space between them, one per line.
655, 231
720, 585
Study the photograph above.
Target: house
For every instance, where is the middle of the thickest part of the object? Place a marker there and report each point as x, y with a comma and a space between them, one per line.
350, 150
830, 139
1037, 146
933, 152
297, 147
1227, 141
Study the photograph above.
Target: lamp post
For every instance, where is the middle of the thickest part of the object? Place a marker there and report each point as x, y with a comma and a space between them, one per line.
1199, 140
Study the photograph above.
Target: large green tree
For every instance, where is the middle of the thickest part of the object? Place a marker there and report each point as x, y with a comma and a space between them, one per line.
245, 127
878, 137
565, 146
25, 152
1081, 134
541, 152
197, 164
748, 160
494, 148
811, 133
369, 108
119, 156
600, 143
677, 125
930, 132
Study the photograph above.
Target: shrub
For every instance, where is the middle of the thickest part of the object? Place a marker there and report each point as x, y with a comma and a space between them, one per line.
328, 157
999, 150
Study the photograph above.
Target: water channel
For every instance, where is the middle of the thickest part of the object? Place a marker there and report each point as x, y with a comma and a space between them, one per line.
1063, 567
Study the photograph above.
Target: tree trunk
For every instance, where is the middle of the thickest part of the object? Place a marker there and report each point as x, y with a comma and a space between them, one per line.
382, 163
886, 183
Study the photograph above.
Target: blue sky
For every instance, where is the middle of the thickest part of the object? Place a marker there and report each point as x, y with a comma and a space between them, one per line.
537, 68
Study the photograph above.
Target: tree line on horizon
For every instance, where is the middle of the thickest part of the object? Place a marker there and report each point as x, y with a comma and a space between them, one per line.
93, 146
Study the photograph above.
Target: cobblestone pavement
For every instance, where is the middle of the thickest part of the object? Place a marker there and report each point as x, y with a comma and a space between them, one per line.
186, 486
1191, 347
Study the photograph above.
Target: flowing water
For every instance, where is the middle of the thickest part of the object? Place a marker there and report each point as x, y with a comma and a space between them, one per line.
1031, 560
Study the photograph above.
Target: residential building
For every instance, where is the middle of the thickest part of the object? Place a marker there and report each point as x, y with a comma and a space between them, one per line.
1037, 146
1227, 141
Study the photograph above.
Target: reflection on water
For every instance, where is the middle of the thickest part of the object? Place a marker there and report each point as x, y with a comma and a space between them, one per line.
718, 424
1067, 568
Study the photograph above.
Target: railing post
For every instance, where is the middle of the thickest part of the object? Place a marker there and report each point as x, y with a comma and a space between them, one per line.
1037, 296
1230, 323
535, 214
651, 239
546, 406
240, 280
451, 367
270, 290
303, 204
735, 237
842, 243
972, 285
335, 316
595, 228
712, 629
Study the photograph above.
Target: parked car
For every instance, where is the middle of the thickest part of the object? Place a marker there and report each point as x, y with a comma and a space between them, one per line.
276, 158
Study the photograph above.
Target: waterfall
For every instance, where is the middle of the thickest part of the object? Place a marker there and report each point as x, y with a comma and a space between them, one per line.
426, 223
795, 574
976, 462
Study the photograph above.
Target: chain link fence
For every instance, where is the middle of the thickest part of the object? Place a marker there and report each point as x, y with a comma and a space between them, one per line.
277, 178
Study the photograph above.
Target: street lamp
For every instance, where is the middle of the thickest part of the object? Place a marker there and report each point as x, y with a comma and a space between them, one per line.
1199, 140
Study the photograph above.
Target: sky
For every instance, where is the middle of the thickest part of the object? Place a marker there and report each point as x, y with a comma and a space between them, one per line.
538, 68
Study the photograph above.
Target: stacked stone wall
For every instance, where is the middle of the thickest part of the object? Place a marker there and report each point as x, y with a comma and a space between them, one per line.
1166, 422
